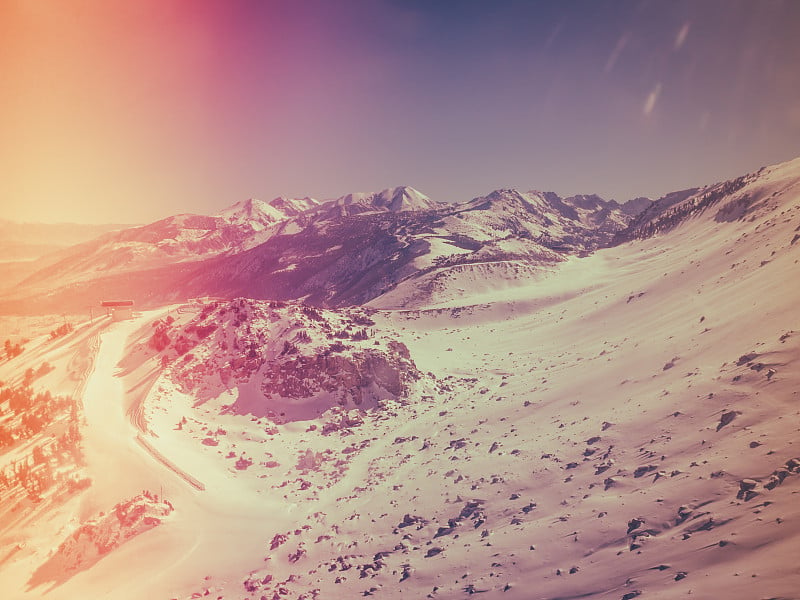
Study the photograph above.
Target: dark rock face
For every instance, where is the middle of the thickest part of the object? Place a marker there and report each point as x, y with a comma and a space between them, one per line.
354, 375
727, 418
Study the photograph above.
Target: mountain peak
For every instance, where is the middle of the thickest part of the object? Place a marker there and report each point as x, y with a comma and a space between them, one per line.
244, 209
634, 206
405, 197
293, 206
260, 212
395, 199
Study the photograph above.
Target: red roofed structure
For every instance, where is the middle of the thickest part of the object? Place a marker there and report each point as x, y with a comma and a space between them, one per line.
118, 309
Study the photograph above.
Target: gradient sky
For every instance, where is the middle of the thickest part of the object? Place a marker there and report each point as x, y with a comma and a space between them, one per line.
118, 111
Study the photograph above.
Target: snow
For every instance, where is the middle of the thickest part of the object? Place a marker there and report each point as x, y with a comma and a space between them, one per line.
594, 432
397, 199
258, 213
439, 248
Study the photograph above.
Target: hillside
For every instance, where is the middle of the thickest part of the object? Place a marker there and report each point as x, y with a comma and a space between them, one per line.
175, 239
731, 200
28, 247
618, 422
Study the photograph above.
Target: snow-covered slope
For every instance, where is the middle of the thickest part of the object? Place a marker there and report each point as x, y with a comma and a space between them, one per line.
29, 247
501, 240
731, 200
619, 429
623, 425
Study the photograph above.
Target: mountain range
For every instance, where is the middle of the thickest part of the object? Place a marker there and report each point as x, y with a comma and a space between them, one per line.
393, 248
349, 250
522, 396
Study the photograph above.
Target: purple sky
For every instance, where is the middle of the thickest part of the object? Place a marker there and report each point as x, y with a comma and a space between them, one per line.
131, 111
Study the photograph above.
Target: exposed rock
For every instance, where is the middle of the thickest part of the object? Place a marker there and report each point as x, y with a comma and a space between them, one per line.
99, 536
292, 353
277, 540
644, 470
684, 513
746, 487
409, 520
443, 531
295, 556
407, 571
635, 524
727, 418
746, 358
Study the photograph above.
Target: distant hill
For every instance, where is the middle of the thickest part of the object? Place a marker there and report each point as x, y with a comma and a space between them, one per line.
23, 245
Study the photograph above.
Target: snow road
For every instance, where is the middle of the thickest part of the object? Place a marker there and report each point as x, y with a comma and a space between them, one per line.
122, 462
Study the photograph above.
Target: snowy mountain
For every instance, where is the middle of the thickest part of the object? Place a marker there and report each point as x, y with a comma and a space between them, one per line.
727, 201
28, 247
393, 249
258, 214
30, 241
349, 250
534, 406
397, 199
176, 239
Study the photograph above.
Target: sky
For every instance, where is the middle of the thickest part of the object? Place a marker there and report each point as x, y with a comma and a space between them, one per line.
127, 112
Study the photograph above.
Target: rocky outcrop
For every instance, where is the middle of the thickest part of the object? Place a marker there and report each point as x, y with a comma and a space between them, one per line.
97, 537
282, 358
344, 375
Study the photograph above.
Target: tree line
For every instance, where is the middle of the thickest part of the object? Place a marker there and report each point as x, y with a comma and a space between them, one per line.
55, 421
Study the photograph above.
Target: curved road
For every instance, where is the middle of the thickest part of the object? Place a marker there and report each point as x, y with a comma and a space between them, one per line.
216, 531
